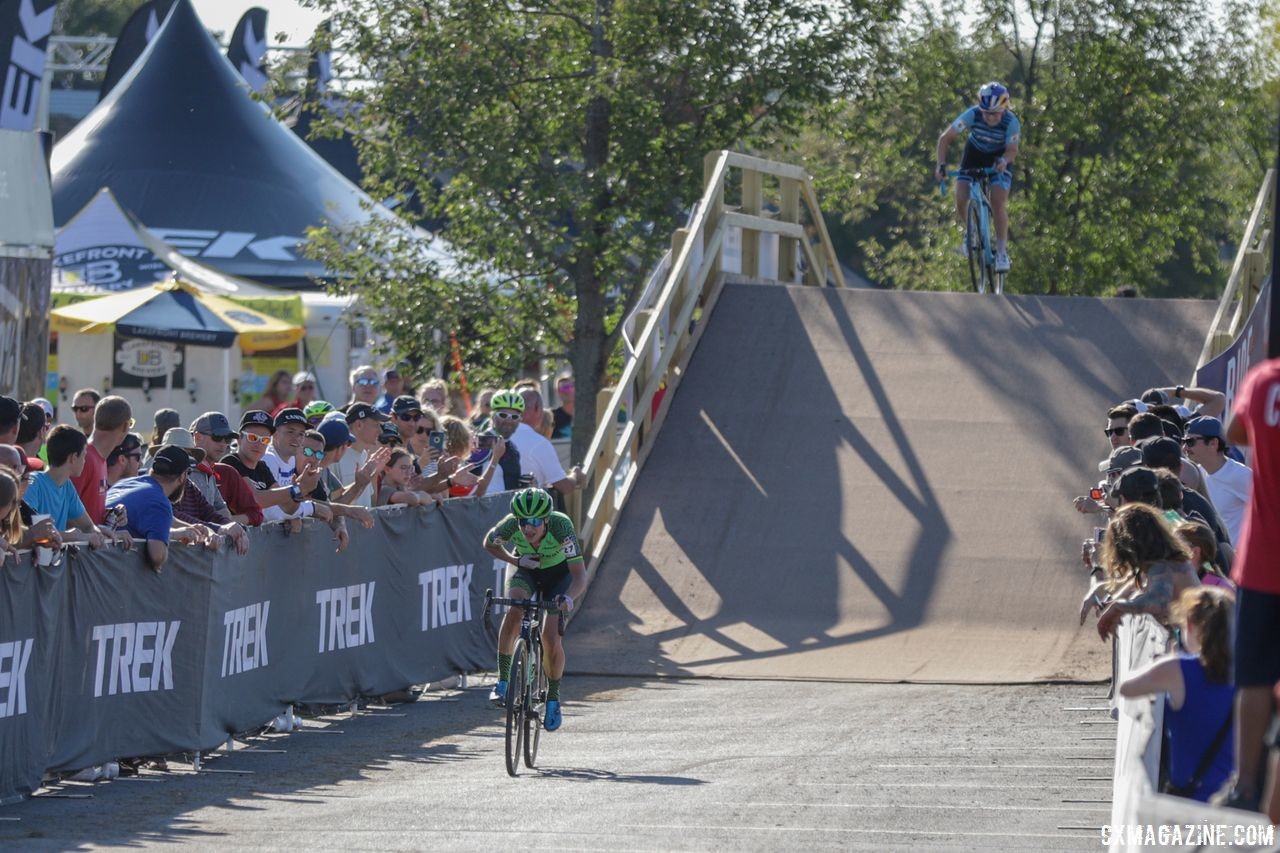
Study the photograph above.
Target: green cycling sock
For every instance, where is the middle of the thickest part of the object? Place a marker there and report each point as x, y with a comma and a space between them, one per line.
553, 688
504, 667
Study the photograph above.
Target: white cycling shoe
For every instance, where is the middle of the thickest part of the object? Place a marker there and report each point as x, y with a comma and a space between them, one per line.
1002, 261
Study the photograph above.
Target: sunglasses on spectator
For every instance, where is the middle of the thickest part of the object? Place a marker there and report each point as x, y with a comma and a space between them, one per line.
250, 438
564, 386
222, 439
83, 409
1192, 439
414, 417
507, 416
367, 380
312, 454
531, 522
137, 456
1110, 431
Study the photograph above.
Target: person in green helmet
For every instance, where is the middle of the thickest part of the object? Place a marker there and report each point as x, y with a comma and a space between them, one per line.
544, 549
315, 412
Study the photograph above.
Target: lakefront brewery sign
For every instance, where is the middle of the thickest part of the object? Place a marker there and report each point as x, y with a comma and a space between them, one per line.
137, 361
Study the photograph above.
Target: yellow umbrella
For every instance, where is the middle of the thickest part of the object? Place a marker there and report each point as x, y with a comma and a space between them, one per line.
177, 312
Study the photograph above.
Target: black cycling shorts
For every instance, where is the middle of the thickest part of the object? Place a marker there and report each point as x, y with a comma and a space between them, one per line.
975, 159
1257, 638
546, 582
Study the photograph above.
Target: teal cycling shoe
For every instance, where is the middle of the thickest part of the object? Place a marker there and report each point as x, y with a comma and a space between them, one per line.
498, 695
551, 718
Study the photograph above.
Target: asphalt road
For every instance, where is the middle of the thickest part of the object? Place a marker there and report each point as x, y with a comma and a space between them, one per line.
638, 765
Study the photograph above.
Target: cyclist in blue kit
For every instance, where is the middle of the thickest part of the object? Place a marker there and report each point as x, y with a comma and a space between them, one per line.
994, 134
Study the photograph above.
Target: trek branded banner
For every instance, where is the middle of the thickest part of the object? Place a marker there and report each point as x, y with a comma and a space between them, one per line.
247, 50
29, 613
135, 35
102, 658
1226, 372
25, 26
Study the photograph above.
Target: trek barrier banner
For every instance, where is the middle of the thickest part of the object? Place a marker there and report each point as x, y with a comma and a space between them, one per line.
25, 27
1226, 372
102, 658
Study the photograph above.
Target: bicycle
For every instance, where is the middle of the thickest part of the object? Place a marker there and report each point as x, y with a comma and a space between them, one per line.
527, 685
977, 232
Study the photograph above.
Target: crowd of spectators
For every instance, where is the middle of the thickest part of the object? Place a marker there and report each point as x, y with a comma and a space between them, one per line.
1188, 510
291, 459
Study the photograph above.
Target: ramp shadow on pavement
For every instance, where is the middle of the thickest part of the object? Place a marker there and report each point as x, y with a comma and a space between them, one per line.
870, 485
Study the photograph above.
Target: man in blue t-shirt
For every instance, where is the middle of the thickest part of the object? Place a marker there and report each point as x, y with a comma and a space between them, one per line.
148, 502
994, 135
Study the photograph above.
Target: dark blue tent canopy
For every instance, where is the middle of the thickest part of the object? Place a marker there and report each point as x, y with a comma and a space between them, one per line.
183, 144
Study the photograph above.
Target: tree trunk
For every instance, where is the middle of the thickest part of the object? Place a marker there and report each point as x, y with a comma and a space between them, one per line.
589, 360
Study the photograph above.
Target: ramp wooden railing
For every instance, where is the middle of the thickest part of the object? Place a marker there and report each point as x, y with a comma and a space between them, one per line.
762, 200
1247, 275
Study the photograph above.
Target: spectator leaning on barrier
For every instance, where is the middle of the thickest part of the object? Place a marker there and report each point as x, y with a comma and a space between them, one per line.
10, 420
52, 493
1255, 422
364, 385
33, 428
147, 503
395, 487
1117, 428
1198, 690
27, 467
538, 455
318, 446
279, 457
1228, 481
11, 532
276, 501
83, 402
112, 420
1147, 567
126, 460
192, 506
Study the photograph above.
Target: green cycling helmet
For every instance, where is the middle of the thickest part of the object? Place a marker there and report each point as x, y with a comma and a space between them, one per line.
507, 400
531, 503
317, 410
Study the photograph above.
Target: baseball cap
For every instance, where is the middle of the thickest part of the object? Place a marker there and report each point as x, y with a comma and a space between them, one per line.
170, 461
213, 424
290, 416
389, 435
304, 376
132, 441
1155, 397
46, 405
166, 419
10, 409
179, 437
1121, 458
361, 411
1161, 452
1171, 429
1136, 484
257, 417
404, 404
1205, 426
390, 373
335, 433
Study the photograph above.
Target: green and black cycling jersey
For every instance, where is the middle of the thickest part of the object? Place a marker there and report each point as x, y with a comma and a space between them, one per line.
559, 545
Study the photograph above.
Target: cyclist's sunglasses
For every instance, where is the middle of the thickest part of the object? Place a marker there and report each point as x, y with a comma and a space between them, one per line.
1110, 431
531, 522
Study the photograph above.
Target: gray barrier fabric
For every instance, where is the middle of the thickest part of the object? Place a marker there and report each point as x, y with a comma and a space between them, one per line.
101, 658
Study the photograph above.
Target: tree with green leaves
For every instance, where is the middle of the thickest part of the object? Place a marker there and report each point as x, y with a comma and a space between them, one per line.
92, 17
560, 141
1146, 132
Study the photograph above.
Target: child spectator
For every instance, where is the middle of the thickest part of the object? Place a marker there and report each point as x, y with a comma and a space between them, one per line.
1198, 539
1199, 694
395, 481
52, 493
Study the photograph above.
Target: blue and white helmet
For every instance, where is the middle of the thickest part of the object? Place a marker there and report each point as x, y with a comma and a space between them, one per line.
993, 96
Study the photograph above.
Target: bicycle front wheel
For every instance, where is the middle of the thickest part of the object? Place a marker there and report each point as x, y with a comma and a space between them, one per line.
516, 710
536, 704
975, 246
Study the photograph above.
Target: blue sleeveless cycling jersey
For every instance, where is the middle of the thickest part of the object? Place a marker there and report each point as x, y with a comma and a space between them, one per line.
984, 137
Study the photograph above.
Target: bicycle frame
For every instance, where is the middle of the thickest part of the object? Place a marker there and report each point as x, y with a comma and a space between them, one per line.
984, 276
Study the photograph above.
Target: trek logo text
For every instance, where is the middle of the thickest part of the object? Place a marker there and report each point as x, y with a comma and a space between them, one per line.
244, 644
446, 595
346, 616
134, 657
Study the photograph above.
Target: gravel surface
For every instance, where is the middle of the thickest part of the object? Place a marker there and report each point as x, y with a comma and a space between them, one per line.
638, 765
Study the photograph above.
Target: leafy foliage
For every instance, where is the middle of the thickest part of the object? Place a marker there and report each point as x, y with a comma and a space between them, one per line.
560, 140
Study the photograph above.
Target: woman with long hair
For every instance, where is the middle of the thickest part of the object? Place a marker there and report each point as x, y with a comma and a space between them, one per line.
1199, 694
279, 390
1147, 567
10, 511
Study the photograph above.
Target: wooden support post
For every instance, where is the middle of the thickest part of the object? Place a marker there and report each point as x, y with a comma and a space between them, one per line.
752, 204
603, 474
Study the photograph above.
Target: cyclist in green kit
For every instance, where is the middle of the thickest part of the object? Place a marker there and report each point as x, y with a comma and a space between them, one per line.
548, 561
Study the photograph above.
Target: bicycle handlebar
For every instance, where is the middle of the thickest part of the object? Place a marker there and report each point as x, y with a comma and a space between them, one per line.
985, 172
527, 603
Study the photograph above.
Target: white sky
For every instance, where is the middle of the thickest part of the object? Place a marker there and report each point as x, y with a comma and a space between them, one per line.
286, 16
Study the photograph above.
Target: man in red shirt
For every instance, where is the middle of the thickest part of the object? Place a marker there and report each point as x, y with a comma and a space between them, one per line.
1255, 422
112, 420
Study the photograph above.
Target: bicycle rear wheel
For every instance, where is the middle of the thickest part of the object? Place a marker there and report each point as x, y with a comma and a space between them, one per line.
976, 251
535, 707
516, 710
